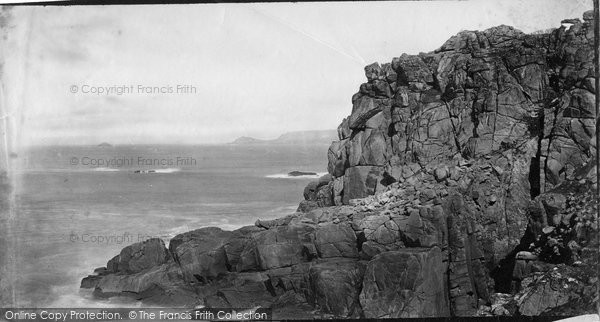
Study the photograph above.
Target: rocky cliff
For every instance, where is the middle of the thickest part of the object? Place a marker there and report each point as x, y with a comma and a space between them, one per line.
462, 184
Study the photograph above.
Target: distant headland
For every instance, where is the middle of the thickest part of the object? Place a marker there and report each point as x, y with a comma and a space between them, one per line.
298, 137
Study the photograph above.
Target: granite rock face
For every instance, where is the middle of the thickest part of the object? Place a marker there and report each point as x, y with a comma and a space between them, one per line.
480, 94
461, 185
406, 283
497, 118
140, 256
200, 253
336, 286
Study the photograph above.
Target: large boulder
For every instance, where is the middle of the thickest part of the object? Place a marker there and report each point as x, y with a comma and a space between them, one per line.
406, 283
235, 244
378, 229
201, 253
242, 290
139, 256
310, 191
361, 181
336, 285
559, 291
337, 158
364, 109
336, 240
293, 278
160, 285
325, 195
423, 227
280, 246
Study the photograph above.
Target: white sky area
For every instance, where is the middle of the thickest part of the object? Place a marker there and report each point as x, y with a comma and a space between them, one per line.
259, 69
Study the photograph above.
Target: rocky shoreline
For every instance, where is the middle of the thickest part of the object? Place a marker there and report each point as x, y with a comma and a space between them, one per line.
462, 184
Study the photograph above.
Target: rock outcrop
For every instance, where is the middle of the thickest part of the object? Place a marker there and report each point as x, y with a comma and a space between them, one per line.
461, 185
406, 283
200, 253
481, 94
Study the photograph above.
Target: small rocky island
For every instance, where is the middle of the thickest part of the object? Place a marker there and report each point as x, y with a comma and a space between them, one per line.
301, 173
462, 184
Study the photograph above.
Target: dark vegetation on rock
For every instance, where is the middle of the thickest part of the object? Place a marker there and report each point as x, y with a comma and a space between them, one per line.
462, 184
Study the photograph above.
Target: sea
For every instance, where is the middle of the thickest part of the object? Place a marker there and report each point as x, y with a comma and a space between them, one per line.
78, 206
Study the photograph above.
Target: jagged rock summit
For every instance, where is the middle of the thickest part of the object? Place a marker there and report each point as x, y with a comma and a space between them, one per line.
462, 184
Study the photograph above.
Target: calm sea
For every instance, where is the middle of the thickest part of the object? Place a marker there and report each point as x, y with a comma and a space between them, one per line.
77, 207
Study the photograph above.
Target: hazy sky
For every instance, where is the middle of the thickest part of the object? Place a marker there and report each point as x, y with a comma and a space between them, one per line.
258, 69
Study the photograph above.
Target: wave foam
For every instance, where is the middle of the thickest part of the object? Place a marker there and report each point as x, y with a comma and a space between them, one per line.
151, 171
106, 169
167, 170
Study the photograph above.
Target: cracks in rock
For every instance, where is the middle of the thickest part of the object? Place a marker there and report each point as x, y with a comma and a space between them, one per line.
496, 115
360, 240
506, 194
270, 288
556, 109
456, 141
469, 260
474, 115
534, 173
502, 273
448, 284
535, 166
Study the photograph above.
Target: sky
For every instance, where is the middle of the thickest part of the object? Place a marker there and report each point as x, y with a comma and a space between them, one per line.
254, 69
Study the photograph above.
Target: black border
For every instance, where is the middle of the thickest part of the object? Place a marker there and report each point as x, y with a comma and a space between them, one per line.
440, 319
